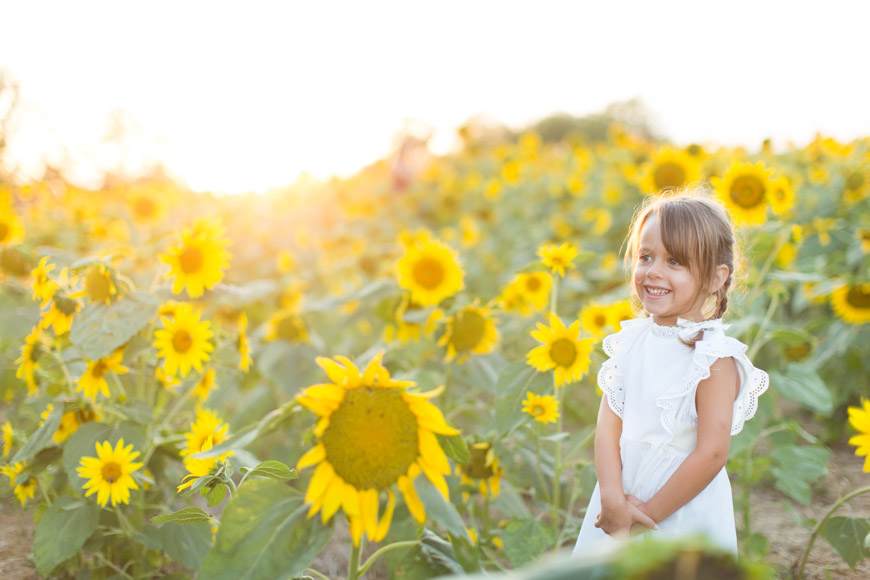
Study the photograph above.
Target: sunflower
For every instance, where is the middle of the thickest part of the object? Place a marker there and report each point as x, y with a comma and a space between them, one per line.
558, 258
863, 236
93, 381
534, 288
183, 342
595, 319
856, 184
8, 438
28, 362
243, 344
100, 285
859, 418
23, 491
619, 312
470, 331
285, 324
372, 434
109, 474
197, 468
745, 189
781, 195
481, 471
852, 303
204, 386
43, 286
429, 270
199, 258
563, 350
669, 168
60, 315
147, 205
11, 228
71, 421
285, 261
206, 426
168, 382
600, 218
405, 331
544, 408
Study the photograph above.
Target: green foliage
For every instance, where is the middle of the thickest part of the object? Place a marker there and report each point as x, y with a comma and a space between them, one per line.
189, 515
796, 468
99, 329
62, 531
849, 538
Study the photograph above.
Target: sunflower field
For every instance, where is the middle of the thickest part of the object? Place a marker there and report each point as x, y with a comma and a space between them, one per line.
401, 366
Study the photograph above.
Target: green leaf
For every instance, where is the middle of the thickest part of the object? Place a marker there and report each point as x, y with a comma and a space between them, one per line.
438, 509
513, 382
187, 544
61, 532
797, 467
264, 534
249, 434
189, 515
215, 495
526, 540
466, 553
274, 470
431, 558
757, 546
99, 329
41, 438
455, 448
847, 535
149, 536
800, 383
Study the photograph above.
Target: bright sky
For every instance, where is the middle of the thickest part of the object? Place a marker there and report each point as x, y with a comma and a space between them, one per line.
245, 95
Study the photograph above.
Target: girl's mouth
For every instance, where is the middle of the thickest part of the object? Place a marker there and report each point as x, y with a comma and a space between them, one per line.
656, 291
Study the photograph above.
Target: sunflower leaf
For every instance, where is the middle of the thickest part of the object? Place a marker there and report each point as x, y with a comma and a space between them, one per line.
847, 536
189, 515
526, 540
274, 470
41, 438
802, 384
99, 329
438, 509
513, 382
455, 448
61, 532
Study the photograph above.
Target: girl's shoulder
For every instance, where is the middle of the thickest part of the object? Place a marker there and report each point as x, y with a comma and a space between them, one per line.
628, 333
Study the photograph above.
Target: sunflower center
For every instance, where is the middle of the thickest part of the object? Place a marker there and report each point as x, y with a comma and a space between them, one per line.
600, 320
533, 283
468, 330
288, 329
67, 306
853, 183
859, 297
4, 230
372, 438
111, 472
182, 340
747, 191
99, 369
669, 174
563, 352
478, 468
537, 410
97, 285
191, 260
429, 273
144, 207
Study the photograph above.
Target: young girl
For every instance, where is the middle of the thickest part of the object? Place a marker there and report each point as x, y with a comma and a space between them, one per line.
675, 387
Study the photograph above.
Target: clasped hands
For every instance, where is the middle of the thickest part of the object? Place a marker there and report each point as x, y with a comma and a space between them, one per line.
625, 519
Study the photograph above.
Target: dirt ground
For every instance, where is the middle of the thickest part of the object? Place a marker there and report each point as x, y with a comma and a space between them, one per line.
787, 538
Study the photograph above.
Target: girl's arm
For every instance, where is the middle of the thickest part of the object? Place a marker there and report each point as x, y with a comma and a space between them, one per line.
616, 514
714, 401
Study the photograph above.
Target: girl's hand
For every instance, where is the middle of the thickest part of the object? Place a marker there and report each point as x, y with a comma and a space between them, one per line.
615, 519
640, 520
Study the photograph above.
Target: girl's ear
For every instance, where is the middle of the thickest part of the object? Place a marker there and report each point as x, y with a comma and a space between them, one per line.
719, 277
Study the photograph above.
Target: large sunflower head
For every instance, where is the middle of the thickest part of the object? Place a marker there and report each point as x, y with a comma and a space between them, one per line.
372, 435
429, 270
563, 351
199, 258
109, 474
670, 168
859, 418
470, 331
745, 189
183, 342
852, 303
482, 470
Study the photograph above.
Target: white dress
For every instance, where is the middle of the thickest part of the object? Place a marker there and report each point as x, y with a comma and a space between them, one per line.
651, 370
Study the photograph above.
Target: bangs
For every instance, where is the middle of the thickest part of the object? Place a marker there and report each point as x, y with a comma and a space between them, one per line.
679, 231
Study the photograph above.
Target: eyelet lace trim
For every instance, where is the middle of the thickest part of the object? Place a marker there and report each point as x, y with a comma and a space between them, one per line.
610, 375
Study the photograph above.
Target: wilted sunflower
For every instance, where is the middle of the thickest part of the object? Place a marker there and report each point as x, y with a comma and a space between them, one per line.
199, 258
544, 408
372, 434
745, 189
482, 470
669, 168
23, 491
563, 350
183, 342
859, 418
470, 331
558, 258
852, 303
429, 270
285, 324
109, 474
93, 381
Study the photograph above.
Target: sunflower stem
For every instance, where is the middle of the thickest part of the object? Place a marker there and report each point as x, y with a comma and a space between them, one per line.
557, 465
317, 574
353, 565
381, 551
837, 505
538, 457
758, 341
762, 274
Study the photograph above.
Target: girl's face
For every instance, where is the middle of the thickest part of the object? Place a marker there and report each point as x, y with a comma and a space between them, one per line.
667, 289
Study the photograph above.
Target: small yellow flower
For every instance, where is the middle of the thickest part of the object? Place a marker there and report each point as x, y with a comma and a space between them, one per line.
59, 316
482, 470
23, 491
43, 286
534, 288
184, 341
8, 437
93, 380
429, 270
243, 344
197, 468
199, 258
28, 362
859, 418
544, 408
109, 474
558, 258
205, 386
11, 227
563, 350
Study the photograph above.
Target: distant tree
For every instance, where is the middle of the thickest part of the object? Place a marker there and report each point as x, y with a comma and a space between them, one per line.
631, 114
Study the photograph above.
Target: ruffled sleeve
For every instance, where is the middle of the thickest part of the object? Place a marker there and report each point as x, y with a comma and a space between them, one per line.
678, 404
610, 377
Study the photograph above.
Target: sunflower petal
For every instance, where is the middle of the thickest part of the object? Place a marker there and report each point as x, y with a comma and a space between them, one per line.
412, 500
312, 457
384, 524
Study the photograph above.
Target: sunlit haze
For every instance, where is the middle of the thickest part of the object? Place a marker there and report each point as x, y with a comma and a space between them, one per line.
246, 96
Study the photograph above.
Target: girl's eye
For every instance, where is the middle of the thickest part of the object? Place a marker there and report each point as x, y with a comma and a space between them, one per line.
643, 258
673, 262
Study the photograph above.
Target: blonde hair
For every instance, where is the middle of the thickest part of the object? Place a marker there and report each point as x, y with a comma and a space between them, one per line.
696, 230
